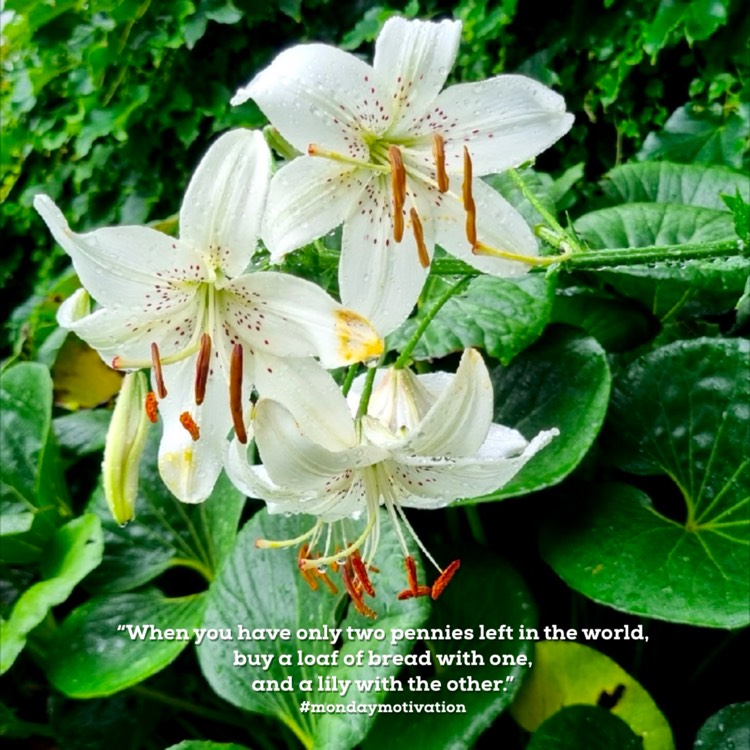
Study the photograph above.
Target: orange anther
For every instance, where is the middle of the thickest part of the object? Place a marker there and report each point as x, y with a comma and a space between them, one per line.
235, 394
201, 368
444, 579
438, 151
398, 187
469, 205
360, 571
356, 595
161, 389
409, 594
411, 574
189, 424
416, 225
152, 407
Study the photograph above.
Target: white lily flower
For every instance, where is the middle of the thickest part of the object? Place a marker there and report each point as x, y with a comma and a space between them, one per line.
426, 441
390, 157
184, 307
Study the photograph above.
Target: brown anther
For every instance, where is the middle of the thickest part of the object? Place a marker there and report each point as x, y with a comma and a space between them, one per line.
152, 407
161, 389
469, 205
201, 368
411, 574
409, 594
356, 595
235, 394
311, 149
438, 151
444, 579
307, 573
189, 424
416, 225
360, 570
398, 187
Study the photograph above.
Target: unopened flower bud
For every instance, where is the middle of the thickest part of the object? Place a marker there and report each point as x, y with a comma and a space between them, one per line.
125, 442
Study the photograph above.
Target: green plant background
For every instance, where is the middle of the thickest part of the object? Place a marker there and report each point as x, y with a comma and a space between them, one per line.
108, 106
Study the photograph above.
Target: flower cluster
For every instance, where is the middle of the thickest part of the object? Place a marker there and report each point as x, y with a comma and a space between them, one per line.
240, 355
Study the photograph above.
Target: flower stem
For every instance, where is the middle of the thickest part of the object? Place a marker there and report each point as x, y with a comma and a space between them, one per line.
364, 400
403, 359
349, 379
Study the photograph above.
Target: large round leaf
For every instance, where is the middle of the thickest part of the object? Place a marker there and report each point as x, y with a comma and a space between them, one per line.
587, 727
681, 411
563, 381
728, 729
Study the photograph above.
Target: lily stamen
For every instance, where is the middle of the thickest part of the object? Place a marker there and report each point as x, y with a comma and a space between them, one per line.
158, 376
444, 579
356, 595
235, 394
469, 205
190, 425
530, 260
201, 368
360, 569
151, 406
438, 151
398, 187
416, 225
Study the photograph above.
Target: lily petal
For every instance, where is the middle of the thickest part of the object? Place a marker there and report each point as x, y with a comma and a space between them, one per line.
436, 482
503, 121
125, 266
412, 62
310, 394
314, 93
293, 460
309, 197
498, 224
223, 206
127, 334
188, 466
292, 317
458, 422
378, 277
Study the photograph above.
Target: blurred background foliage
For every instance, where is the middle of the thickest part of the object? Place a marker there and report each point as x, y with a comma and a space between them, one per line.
108, 105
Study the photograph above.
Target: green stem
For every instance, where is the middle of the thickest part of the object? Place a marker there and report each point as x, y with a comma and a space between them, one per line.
531, 197
364, 400
620, 256
193, 564
351, 373
405, 355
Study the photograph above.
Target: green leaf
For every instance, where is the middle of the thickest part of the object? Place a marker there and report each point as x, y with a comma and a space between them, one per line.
82, 432
569, 674
73, 552
740, 208
165, 533
501, 316
695, 136
591, 727
664, 182
645, 224
32, 484
693, 286
90, 657
728, 729
617, 324
262, 588
510, 603
563, 381
681, 411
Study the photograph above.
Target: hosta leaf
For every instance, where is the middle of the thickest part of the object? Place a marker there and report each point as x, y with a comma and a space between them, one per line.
71, 553
681, 411
90, 657
262, 588
563, 381
497, 595
664, 182
569, 674
501, 316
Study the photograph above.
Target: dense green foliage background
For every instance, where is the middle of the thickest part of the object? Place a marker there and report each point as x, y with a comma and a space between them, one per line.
108, 105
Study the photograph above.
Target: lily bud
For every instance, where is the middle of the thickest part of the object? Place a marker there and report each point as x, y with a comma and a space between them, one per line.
126, 439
